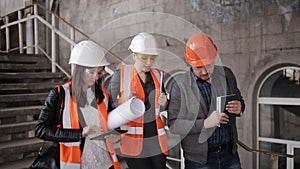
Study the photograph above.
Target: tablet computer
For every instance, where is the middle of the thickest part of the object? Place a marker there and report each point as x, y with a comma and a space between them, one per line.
102, 135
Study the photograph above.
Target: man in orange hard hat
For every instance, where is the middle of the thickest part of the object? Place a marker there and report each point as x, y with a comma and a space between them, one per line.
208, 135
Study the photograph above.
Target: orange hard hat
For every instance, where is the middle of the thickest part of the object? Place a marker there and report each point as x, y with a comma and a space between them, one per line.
200, 51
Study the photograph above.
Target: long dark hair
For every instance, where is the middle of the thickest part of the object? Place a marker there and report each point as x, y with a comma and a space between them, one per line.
98, 91
77, 92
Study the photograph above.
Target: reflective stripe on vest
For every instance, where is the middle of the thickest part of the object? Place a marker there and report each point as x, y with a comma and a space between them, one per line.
70, 144
161, 131
103, 121
70, 152
132, 130
132, 141
114, 158
65, 165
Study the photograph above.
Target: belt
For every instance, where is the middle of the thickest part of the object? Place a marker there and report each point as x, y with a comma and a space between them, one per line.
218, 148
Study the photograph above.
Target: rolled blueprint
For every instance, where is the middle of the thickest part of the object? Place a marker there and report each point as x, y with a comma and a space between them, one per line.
128, 111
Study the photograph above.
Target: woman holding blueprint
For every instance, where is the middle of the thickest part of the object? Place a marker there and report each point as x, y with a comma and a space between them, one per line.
78, 110
145, 143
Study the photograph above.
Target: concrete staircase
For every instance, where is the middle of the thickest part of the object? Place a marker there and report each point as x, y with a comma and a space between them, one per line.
25, 81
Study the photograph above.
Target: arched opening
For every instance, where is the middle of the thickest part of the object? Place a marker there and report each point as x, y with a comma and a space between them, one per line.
278, 116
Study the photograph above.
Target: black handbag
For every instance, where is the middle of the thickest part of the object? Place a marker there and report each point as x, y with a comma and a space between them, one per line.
47, 160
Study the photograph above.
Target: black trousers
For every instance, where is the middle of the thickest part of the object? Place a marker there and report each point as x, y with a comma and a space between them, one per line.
153, 162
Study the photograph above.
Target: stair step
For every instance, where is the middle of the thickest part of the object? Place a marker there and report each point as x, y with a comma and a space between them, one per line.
30, 75
22, 58
27, 63
17, 127
24, 67
20, 164
19, 149
15, 88
26, 86
20, 111
21, 100
18, 146
25, 82
9, 98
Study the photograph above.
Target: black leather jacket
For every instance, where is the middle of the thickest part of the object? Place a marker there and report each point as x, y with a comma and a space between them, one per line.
51, 116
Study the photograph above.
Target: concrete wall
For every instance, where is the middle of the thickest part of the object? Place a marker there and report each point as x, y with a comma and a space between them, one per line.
8, 6
253, 37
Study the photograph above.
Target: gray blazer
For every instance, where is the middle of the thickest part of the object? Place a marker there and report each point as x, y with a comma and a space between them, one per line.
187, 111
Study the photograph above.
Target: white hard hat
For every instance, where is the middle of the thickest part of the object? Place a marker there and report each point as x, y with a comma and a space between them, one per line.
87, 53
144, 43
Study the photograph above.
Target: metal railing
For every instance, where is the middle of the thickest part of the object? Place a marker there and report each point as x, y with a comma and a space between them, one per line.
33, 15
274, 155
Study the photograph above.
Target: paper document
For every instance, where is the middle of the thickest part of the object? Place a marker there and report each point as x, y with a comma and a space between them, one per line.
126, 112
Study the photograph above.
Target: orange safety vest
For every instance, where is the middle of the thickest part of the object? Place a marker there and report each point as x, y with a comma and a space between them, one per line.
132, 141
70, 153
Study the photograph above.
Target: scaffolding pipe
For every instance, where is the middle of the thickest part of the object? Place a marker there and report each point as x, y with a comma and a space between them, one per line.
7, 34
20, 32
55, 30
36, 37
29, 35
53, 44
47, 33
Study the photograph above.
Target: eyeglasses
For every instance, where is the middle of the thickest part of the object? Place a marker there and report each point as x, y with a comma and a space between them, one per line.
146, 58
94, 73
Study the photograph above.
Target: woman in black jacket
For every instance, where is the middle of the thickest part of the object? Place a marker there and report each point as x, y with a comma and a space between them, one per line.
77, 110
